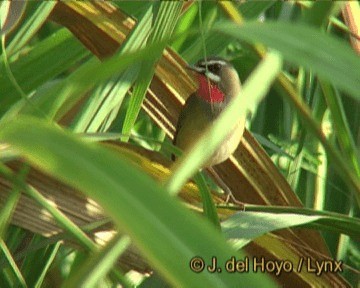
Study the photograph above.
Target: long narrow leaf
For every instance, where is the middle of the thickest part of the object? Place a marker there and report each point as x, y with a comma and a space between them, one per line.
138, 205
31, 26
304, 45
161, 32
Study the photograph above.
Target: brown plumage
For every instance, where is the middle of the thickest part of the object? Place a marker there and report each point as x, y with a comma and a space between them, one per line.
218, 84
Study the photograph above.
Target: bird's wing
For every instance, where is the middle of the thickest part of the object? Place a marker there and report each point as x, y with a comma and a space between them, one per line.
185, 111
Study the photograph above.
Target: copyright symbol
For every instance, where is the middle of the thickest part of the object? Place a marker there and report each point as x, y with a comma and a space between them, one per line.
197, 264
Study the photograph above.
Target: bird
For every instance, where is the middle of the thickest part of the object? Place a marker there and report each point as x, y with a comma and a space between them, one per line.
218, 83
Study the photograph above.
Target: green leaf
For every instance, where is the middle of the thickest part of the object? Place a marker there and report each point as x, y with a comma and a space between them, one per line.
99, 264
243, 227
11, 201
341, 125
318, 14
47, 57
31, 26
161, 227
50, 256
327, 221
208, 203
12, 263
253, 9
104, 103
58, 97
305, 46
168, 13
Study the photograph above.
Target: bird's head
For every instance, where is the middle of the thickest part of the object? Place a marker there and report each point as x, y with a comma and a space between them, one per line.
218, 80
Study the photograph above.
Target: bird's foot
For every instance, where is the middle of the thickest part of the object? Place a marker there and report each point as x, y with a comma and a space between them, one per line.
230, 198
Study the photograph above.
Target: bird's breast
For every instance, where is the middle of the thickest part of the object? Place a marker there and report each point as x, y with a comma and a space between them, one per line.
196, 117
228, 146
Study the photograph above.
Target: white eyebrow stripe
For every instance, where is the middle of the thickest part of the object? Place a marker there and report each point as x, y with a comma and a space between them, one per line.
212, 62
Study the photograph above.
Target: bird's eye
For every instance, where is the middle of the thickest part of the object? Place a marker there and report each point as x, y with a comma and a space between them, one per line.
214, 68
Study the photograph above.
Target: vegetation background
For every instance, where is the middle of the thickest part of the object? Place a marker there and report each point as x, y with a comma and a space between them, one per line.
309, 126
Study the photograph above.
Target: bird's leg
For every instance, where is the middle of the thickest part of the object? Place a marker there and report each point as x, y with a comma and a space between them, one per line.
229, 195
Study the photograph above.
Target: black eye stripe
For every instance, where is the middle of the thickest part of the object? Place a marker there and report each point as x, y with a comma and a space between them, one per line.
214, 67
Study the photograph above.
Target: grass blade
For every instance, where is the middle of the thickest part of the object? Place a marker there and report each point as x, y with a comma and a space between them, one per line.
304, 46
168, 242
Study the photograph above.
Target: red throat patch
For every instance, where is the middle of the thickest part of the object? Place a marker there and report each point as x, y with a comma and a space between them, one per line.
209, 91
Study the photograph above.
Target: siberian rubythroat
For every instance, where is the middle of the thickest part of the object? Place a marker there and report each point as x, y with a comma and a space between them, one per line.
218, 83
